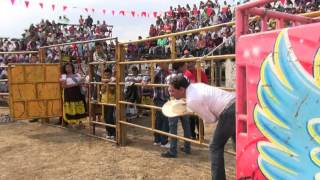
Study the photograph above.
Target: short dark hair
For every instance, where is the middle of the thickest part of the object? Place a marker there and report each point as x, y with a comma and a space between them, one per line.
179, 81
177, 65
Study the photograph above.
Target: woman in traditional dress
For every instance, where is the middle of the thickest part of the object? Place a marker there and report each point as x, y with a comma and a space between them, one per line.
74, 105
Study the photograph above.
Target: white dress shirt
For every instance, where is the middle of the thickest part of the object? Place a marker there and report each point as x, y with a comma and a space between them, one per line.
207, 101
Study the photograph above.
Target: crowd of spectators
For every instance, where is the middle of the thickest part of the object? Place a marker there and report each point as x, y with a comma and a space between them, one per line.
51, 32
182, 18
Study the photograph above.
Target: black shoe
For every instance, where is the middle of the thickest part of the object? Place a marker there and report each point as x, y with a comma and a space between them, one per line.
168, 154
33, 120
183, 150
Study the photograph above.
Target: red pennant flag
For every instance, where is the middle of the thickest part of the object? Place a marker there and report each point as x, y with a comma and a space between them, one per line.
86, 9
92, 10
122, 12
26, 3
113, 12
155, 14
64, 8
12, 2
104, 11
133, 13
41, 5
282, 1
144, 13
53, 6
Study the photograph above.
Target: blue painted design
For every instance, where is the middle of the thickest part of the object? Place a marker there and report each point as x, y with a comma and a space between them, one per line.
288, 116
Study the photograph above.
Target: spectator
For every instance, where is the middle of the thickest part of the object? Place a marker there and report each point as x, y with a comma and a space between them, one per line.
160, 97
108, 96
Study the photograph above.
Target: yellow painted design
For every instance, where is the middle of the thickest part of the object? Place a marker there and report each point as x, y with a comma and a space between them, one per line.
313, 155
311, 130
279, 146
278, 70
316, 68
270, 160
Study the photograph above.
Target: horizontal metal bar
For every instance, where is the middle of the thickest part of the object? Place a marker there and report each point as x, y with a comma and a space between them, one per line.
3, 80
172, 135
102, 62
78, 42
209, 28
105, 104
166, 85
103, 124
4, 94
275, 14
20, 52
102, 83
162, 133
141, 105
192, 59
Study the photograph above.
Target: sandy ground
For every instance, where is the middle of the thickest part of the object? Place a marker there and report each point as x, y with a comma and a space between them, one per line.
38, 151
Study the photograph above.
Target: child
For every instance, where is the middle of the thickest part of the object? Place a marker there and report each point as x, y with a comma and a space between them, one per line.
108, 96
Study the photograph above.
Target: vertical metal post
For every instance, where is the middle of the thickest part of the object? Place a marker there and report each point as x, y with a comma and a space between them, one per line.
120, 113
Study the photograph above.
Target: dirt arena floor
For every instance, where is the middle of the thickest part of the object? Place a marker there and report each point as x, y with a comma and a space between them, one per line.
39, 151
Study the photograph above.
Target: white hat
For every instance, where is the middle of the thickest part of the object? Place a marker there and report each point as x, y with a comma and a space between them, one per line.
175, 108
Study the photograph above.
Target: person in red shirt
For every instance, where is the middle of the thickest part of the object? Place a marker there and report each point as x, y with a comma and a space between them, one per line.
191, 74
152, 31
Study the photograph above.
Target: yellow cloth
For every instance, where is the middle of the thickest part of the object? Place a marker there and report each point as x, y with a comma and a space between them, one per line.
73, 108
110, 100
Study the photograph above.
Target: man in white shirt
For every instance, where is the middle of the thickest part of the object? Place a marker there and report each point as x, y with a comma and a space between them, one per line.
212, 105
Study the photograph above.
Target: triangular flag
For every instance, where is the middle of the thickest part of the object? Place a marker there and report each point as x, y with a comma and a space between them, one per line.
92, 10
86, 9
26, 3
122, 12
104, 11
282, 1
155, 14
144, 14
12, 2
133, 13
113, 12
41, 5
53, 6
64, 8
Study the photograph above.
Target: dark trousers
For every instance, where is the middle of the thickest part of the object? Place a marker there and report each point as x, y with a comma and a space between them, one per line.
194, 121
162, 124
109, 118
173, 127
224, 130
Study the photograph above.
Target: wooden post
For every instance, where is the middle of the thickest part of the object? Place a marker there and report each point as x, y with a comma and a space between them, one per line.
229, 74
173, 47
153, 111
91, 112
42, 55
120, 111
201, 126
212, 70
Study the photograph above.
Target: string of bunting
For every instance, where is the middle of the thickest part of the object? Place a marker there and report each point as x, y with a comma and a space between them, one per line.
146, 14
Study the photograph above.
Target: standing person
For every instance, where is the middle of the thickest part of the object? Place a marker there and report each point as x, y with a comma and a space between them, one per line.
160, 97
108, 96
212, 105
178, 69
74, 105
191, 74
